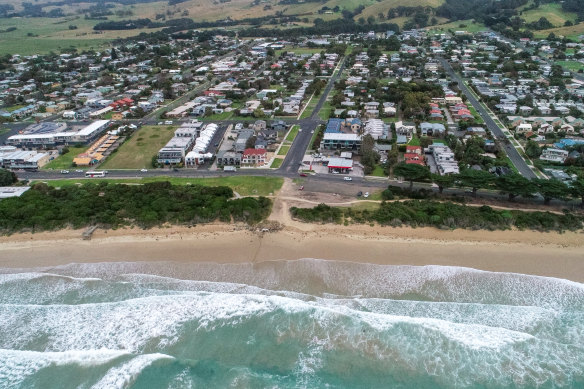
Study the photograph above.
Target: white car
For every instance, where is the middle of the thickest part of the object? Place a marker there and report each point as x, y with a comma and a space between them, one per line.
366, 194
78, 171
64, 171
348, 179
143, 170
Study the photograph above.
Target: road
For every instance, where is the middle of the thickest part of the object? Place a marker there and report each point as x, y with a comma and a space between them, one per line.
511, 151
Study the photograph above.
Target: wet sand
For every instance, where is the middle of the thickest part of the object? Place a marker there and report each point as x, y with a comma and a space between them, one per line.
527, 252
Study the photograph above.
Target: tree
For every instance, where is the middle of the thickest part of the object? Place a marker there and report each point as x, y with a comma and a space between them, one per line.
369, 157
551, 189
578, 189
250, 143
7, 177
514, 185
411, 172
532, 149
442, 181
475, 179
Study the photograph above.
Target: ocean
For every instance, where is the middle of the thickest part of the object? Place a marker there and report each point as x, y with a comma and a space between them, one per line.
287, 324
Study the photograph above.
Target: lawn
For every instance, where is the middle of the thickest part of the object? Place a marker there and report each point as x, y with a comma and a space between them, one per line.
378, 171
137, 152
276, 163
474, 112
219, 116
310, 107
326, 110
244, 185
571, 65
313, 138
65, 161
293, 133
460, 25
415, 141
283, 150
300, 50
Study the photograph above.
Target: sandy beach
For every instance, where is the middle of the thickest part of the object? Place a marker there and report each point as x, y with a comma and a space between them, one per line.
528, 252
545, 254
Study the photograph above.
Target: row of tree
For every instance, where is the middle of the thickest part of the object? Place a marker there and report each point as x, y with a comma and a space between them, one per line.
419, 213
513, 184
113, 205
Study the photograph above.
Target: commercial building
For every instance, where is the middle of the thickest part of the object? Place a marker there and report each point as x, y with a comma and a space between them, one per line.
340, 165
338, 141
23, 159
12, 191
52, 134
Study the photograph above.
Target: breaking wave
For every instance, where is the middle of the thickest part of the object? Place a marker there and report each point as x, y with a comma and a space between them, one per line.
307, 323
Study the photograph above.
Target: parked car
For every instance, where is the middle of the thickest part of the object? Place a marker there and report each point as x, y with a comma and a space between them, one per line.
366, 194
348, 179
301, 188
78, 171
359, 194
303, 175
143, 170
64, 171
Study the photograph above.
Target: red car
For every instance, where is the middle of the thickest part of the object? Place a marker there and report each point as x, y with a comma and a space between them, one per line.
303, 175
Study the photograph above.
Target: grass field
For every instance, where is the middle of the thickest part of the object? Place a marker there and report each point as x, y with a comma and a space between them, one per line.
65, 161
572, 32
310, 107
276, 163
474, 112
468, 26
244, 185
552, 12
571, 65
42, 35
300, 50
283, 150
293, 133
137, 152
326, 110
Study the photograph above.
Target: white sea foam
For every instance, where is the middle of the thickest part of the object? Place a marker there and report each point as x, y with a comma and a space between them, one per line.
16, 366
123, 376
467, 326
320, 277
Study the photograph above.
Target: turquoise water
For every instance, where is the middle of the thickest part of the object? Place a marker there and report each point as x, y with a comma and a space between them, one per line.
292, 324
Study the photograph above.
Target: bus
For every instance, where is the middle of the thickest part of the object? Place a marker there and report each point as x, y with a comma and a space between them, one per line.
94, 174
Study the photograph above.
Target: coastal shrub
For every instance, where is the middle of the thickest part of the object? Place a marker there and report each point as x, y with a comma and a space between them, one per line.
114, 205
417, 213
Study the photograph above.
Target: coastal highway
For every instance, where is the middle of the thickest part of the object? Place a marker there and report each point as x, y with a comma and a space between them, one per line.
511, 151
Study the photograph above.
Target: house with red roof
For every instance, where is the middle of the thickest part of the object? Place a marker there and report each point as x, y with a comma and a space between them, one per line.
254, 157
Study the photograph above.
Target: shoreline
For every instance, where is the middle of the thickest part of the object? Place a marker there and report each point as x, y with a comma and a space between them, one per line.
527, 252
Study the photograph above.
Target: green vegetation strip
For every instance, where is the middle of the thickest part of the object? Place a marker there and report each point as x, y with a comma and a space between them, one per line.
44, 208
244, 185
293, 133
65, 161
309, 108
276, 163
283, 150
422, 213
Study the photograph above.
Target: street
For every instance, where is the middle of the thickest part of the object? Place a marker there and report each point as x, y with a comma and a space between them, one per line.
511, 151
